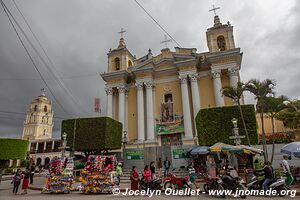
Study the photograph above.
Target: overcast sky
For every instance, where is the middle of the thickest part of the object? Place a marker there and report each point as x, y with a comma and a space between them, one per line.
77, 34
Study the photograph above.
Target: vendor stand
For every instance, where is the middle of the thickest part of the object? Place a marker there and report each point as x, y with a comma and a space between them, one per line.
60, 177
98, 175
240, 157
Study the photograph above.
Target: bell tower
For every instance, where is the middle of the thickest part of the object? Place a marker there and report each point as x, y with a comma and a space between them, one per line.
220, 36
120, 58
39, 119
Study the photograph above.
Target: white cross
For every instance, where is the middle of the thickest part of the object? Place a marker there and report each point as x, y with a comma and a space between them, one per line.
166, 41
121, 32
214, 9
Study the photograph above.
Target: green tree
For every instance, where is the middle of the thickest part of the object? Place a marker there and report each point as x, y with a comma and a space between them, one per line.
261, 90
274, 105
236, 93
290, 115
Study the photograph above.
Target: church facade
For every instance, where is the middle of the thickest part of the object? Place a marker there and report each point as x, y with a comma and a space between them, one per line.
157, 98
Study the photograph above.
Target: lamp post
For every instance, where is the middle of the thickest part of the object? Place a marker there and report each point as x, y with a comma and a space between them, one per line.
64, 144
236, 136
124, 142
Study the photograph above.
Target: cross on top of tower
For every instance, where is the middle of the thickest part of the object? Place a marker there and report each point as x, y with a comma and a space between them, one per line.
42, 92
166, 41
121, 32
214, 9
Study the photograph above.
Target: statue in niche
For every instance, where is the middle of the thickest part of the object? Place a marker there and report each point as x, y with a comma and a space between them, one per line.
167, 114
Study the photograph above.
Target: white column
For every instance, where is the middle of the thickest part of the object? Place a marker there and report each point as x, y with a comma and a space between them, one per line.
29, 146
53, 145
45, 145
122, 90
233, 76
150, 117
37, 145
140, 112
126, 111
186, 107
195, 93
109, 93
216, 74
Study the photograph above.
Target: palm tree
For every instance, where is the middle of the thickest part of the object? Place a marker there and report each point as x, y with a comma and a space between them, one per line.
273, 106
261, 90
236, 93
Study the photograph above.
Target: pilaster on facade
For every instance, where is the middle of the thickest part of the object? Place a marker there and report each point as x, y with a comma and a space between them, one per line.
195, 93
140, 111
216, 74
109, 93
233, 76
150, 113
188, 131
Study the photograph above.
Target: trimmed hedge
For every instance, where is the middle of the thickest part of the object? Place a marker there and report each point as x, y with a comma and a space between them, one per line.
214, 124
93, 134
11, 149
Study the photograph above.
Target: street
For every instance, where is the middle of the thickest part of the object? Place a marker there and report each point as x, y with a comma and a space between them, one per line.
6, 193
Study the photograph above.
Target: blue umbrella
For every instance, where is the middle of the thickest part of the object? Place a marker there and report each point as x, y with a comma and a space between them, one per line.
199, 150
291, 149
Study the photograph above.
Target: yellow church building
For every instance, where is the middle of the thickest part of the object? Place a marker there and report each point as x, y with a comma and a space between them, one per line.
156, 97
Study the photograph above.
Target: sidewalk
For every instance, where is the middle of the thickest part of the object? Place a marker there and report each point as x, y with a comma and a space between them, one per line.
39, 183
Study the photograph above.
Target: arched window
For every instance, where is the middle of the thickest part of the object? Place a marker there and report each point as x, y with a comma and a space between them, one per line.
45, 108
117, 63
35, 108
129, 63
221, 43
45, 131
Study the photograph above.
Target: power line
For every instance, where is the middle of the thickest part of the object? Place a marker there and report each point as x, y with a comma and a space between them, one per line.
19, 118
164, 30
35, 66
52, 70
66, 77
20, 113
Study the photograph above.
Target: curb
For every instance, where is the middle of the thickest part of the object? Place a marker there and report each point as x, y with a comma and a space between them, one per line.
122, 190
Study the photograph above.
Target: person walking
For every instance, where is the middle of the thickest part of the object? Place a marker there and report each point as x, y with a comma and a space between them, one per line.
167, 165
147, 176
25, 182
32, 169
286, 169
159, 166
16, 181
152, 168
119, 173
134, 178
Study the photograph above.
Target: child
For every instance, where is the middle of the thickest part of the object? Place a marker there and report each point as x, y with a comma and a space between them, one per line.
16, 181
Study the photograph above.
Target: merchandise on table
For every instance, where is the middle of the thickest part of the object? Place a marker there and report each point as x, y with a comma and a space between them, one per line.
60, 177
98, 175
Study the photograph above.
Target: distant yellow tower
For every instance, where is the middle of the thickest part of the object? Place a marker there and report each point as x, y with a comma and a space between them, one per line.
39, 120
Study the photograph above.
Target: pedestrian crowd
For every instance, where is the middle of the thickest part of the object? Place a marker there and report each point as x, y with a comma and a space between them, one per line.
25, 177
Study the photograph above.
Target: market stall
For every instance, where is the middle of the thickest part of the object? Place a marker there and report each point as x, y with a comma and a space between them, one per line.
240, 157
98, 175
60, 176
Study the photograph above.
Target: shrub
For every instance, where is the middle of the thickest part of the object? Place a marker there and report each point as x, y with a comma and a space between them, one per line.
214, 124
11, 149
93, 134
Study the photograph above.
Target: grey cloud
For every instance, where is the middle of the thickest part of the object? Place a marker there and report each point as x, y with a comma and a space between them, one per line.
77, 35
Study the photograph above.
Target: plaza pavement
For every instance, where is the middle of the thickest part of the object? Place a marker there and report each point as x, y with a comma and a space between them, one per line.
6, 194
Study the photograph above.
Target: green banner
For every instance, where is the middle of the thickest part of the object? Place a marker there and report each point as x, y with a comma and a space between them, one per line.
136, 154
179, 153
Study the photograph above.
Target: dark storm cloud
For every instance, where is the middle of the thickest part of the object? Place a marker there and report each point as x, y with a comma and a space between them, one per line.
77, 35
